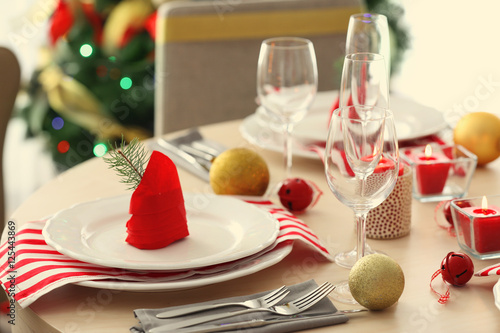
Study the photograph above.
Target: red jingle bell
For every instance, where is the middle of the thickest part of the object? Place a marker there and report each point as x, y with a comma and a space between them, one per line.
457, 268
296, 194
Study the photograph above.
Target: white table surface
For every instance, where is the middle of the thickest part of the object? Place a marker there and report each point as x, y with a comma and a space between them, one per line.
80, 309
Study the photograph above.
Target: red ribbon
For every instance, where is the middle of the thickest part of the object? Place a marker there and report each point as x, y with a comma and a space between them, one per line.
443, 298
62, 22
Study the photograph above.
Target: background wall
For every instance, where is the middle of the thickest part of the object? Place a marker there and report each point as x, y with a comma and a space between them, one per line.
454, 61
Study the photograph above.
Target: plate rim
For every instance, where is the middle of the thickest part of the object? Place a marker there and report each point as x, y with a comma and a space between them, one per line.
189, 282
132, 266
276, 147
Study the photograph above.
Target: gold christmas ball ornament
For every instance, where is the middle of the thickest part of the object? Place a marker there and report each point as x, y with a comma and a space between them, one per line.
376, 281
239, 171
479, 132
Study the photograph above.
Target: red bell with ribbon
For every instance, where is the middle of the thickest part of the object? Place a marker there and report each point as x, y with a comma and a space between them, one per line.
456, 269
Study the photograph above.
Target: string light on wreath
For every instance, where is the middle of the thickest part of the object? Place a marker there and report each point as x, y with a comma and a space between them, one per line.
57, 123
63, 146
100, 149
86, 50
126, 83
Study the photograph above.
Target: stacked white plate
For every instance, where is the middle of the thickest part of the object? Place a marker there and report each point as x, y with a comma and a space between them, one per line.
228, 239
412, 121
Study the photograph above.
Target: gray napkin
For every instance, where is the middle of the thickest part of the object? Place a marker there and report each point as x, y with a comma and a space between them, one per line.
147, 317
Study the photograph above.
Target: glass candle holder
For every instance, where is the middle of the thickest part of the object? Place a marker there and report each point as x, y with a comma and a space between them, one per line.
478, 228
440, 172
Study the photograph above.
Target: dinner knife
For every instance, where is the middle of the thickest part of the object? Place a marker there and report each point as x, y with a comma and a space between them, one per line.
243, 324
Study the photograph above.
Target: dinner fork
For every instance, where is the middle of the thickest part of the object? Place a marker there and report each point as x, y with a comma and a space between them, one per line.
291, 308
262, 302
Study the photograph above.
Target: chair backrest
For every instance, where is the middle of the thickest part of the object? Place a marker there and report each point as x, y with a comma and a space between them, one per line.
207, 51
9, 87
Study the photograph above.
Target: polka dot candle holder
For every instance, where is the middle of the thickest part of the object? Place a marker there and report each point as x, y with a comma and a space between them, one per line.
392, 218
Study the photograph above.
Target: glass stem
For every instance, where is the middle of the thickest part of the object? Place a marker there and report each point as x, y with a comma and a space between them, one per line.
360, 234
361, 220
288, 149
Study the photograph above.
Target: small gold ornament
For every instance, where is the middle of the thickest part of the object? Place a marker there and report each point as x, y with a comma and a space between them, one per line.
479, 132
239, 171
126, 15
376, 281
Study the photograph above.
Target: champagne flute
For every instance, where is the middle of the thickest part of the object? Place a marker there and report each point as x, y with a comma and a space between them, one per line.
361, 166
369, 33
287, 81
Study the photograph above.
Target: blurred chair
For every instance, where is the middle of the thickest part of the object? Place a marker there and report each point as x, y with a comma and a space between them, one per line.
207, 51
9, 87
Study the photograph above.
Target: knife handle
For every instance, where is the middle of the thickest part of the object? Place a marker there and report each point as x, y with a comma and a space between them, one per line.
203, 319
191, 309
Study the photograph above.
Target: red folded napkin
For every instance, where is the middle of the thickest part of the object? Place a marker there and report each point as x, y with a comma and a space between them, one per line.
157, 206
30, 268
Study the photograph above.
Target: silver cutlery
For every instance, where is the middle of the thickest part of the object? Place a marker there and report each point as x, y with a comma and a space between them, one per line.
291, 308
193, 143
262, 302
191, 152
184, 159
253, 323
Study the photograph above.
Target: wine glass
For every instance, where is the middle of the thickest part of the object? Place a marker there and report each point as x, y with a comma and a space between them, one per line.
369, 33
364, 82
361, 166
287, 81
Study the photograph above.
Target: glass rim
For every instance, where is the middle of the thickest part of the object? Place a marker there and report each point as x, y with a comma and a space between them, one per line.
300, 42
371, 56
388, 112
369, 16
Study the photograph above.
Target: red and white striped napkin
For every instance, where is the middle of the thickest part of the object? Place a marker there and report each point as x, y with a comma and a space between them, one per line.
30, 268
489, 271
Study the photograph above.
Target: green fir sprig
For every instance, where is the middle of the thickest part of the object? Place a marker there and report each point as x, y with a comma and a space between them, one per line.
129, 162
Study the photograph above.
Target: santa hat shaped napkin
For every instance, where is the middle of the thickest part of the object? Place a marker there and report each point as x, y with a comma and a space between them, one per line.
157, 206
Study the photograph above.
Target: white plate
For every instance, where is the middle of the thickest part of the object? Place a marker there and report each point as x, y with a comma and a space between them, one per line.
412, 121
221, 229
496, 292
267, 138
257, 264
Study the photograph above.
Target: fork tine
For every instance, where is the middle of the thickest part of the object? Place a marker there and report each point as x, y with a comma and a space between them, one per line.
275, 292
309, 294
318, 296
278, 298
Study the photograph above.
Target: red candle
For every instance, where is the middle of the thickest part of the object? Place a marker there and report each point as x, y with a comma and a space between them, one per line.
485, 228
431, 172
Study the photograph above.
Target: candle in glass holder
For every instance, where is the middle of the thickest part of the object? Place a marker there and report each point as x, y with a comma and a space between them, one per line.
431, 171
484, 235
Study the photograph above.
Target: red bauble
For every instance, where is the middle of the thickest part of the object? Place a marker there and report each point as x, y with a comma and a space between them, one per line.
457, 268
296, 194
447, 209
447, 212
